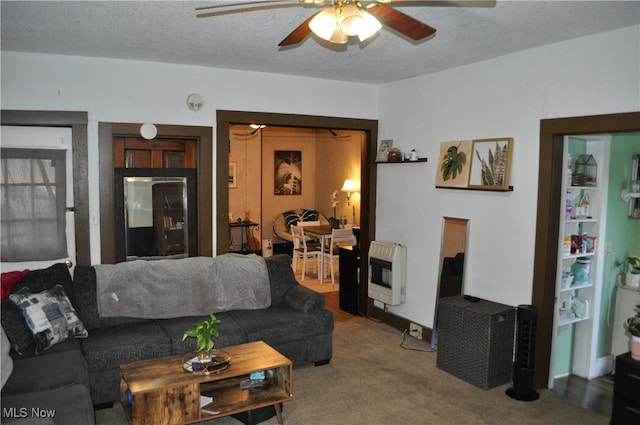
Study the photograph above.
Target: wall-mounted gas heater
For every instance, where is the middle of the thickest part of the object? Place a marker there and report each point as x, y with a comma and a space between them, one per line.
387, 272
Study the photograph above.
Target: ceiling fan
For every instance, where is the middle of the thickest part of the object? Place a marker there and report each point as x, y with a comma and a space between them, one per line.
340, 19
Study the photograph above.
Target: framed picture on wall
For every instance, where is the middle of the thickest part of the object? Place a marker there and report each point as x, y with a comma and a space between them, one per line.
233, 178
454, 162
383, 150
287, 179
490, 164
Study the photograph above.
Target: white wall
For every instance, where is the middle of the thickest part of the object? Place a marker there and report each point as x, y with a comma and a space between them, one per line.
503, 97
130, 91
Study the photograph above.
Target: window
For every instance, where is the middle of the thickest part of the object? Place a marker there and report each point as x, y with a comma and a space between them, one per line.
32, 197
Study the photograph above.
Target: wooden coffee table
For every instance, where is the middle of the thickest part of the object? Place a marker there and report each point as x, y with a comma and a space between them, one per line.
160, 391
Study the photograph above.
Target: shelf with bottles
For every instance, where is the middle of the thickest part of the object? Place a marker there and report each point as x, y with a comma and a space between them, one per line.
572, 309
579, 238
576, 275
580, 204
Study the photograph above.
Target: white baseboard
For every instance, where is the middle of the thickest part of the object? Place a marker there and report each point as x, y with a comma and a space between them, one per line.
603, 366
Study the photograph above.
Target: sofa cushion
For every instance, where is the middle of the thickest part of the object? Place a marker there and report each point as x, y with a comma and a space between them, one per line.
16, 328
111, 346
50, 316
230, 332
281, 277
43, 279
62, 367
72, 405
279, 324
7, 361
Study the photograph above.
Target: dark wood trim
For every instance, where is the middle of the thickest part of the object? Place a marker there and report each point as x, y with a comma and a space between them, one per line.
203, 135
398, 322
107, 197
77, 121
368, 173
552, 132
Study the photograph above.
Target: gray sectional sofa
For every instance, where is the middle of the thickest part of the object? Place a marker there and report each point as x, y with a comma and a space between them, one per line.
295, 323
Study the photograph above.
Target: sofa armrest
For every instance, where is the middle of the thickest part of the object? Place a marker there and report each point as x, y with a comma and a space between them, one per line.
304, 299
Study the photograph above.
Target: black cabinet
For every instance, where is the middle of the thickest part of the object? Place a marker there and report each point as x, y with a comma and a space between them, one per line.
626, 391
349, 261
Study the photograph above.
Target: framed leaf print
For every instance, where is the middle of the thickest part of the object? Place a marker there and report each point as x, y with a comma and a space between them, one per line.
490, 164
454, 164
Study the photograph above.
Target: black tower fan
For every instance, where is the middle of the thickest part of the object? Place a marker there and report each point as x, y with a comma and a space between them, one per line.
523, 366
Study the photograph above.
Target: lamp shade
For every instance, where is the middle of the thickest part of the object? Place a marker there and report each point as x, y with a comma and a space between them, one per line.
348, 186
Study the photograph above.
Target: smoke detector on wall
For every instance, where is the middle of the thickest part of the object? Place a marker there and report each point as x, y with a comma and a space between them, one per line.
194, 102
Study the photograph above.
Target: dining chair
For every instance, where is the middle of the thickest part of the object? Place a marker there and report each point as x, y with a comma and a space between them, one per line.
330, 250
304, 250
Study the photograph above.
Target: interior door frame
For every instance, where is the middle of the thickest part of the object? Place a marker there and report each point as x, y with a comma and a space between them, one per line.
550, 175
225, 118
202, 135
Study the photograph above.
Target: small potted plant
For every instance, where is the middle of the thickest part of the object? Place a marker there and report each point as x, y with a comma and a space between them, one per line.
203, 332
632, 277
632, 325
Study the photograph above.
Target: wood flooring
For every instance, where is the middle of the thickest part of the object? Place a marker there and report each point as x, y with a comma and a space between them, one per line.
595, 394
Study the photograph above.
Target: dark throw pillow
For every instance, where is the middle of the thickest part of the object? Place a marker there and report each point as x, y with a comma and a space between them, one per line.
16, 328
50, 316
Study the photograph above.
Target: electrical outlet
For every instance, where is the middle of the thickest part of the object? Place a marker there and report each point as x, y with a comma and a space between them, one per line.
415, 330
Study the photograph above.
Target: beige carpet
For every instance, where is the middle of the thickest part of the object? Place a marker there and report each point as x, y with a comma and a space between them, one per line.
372, 380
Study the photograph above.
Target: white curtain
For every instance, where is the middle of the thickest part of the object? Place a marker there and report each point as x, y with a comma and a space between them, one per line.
33, 198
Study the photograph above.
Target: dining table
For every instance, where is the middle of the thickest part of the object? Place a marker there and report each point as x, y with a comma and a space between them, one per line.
322, 232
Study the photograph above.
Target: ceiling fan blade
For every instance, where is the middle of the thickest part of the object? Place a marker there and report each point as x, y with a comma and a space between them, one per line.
298, 34
238, 4
442, 3
400, 22
247, 6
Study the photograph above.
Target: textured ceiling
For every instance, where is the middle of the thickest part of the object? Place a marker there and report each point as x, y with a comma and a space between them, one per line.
172, 32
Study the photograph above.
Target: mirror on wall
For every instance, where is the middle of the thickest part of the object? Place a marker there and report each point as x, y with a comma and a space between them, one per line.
452, 258
155, 214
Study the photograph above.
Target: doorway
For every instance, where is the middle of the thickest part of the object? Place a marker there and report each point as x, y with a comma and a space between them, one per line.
367, 172
550, 177
204, 172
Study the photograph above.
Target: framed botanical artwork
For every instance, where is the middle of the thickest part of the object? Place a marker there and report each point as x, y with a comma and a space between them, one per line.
287, 179
454, 164
233, 177
490, 164
383, 150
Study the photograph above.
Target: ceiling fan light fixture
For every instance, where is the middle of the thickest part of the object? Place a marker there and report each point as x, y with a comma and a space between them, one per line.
326, 25
336, 23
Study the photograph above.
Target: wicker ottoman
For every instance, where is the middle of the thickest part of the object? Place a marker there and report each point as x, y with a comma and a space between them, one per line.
475, 340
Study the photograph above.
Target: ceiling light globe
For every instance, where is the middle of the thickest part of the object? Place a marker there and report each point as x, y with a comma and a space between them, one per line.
352, 20
370, 25
324, 23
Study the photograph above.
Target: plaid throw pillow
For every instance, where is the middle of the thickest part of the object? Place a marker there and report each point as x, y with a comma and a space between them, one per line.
50, 317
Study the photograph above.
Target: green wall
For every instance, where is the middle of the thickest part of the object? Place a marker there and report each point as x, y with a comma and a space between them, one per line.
622, 232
